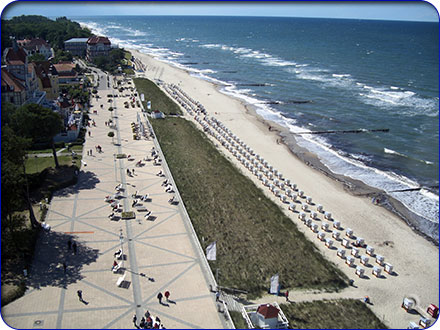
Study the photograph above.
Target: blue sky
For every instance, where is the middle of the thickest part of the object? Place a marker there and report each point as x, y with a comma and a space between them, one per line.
413, 11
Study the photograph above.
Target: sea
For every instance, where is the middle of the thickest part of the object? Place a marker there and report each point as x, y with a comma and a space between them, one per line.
314, 75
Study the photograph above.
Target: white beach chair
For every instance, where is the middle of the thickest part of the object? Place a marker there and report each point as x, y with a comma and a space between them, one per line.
324, 226
370, 250
388, 268
377, 271
336, 234
309, 200
349, 261
300, 193
302, 216
336, 224
345, 243
341, 253
292, 206
380, 260
355, 252
321, 235
314, 215
328, 242
349, 232
364, 260
320, 208
314, 227
328, 215
360, 271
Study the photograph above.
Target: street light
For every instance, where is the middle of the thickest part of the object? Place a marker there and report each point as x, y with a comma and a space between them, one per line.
121, 239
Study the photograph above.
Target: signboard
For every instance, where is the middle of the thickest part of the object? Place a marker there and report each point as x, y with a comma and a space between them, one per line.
149, 105
142, 97
274, 284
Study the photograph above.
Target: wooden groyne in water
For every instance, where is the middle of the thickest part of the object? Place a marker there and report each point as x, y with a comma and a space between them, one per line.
386, 130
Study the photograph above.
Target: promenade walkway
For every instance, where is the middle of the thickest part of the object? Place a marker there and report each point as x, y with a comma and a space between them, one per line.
160, 254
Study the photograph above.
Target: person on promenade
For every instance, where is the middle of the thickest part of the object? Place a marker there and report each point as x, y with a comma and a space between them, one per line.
64, 267
287, 296
217, 296
80, 295
134, 320
160, 296
167, 295
69, 244
74, 247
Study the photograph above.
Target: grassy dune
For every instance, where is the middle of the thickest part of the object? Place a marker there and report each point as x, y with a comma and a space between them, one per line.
159, 100
255, 240
334, 314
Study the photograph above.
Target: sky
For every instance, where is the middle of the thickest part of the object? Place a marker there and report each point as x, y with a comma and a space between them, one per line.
392, 10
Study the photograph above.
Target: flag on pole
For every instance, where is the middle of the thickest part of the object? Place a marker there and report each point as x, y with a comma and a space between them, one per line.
211, 251
274, 284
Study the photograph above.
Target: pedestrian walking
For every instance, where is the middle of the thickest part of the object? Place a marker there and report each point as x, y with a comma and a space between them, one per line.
74, 247
65, 267
89, 133
167, 295
132, 171
147, 314
69, 244
217, 296
90, 152
287, 296
160, 296
142, 323
80, 295
134, 319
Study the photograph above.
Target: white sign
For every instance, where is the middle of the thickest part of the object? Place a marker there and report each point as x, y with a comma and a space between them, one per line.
149, 105
274, 284
211, 251
142, 97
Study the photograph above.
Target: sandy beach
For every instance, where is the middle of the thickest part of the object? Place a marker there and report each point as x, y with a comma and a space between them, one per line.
414, 258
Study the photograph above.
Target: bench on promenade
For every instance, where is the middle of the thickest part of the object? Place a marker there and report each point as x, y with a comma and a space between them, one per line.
120, 280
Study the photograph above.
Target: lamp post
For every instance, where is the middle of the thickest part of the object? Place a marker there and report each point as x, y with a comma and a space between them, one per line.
121, 239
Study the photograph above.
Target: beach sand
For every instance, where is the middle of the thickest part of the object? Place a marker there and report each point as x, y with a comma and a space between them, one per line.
415, 259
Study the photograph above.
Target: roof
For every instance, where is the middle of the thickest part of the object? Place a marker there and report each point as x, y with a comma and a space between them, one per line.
84, 40
10, 82
268, 311
98, 40
15, 57
64, 67
33, 43
43, 69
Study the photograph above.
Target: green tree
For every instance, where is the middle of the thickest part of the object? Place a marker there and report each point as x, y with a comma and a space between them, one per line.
14, 182
111, 134
37, 123
37, 57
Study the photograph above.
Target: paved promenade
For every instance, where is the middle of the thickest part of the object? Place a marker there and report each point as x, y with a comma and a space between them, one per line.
160, 254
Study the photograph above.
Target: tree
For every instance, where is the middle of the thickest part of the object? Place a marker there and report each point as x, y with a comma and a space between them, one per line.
14, 182
37, 57
111, 134
37, 123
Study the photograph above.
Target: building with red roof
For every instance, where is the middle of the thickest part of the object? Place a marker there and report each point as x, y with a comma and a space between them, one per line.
13, 89
36, 46
97, 46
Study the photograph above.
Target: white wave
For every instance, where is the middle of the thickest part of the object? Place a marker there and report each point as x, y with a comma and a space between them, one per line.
210, 46
392, 152
394, 87
341, 75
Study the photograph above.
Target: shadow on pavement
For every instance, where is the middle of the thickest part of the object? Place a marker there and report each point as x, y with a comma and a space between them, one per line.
86, 180
51, 251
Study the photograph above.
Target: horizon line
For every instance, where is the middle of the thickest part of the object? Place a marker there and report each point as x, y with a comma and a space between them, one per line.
254, 16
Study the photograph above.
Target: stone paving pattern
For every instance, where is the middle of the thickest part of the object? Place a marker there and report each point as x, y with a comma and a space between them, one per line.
160, 253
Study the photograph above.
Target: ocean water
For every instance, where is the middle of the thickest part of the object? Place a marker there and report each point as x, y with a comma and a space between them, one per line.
354, 74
